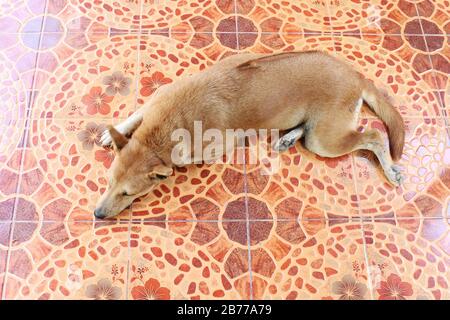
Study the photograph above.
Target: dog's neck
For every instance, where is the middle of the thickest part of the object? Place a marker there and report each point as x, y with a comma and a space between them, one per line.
165, 115
154, 135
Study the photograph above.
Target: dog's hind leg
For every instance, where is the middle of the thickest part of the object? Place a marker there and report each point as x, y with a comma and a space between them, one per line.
289, 139
126, 127
334, 141
371, 140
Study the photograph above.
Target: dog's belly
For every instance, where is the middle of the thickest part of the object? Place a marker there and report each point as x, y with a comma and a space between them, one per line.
283, 120
264, 116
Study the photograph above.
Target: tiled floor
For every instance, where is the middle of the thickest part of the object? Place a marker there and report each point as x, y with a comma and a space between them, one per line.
318, 228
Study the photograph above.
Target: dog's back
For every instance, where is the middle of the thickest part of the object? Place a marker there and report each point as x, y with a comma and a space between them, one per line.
278, 91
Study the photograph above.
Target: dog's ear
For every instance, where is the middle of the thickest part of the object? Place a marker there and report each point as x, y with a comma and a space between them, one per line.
119, 140
160, 172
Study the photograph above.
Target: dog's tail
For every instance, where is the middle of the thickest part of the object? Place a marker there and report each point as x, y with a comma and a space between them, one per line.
390, 116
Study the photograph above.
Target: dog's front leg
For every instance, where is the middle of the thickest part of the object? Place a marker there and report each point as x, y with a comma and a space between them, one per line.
126, 127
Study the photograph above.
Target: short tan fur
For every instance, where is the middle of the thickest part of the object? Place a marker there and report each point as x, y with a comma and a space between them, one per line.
311, 94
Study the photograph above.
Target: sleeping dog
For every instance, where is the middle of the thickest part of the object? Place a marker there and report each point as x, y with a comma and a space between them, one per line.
311, 95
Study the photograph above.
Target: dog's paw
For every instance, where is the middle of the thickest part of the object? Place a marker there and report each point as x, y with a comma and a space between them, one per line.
283, 144
105, 139
394, 175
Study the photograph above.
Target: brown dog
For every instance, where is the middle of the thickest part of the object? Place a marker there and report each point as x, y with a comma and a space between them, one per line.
313, 95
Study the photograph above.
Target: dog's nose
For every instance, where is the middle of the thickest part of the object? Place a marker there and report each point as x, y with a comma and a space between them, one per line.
98, 213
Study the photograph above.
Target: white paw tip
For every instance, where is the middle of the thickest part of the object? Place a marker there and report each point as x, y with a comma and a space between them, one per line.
105, 139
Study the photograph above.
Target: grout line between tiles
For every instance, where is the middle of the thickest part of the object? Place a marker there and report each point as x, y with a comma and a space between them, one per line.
118, 32
349, 219
441, 103
355, 184
236, 32
366, 260
247, 215
362, 218
78, 118
22, 161
137, 77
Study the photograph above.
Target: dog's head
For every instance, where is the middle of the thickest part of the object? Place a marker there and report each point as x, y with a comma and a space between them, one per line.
134, 172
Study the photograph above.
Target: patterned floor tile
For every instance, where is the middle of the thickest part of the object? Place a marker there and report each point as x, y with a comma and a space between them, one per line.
69, 68
11, 137
446, 104
5, 228
16, 83
219, 29
4, 244
192, 260
97, 81
412, 92
284, 16
434, 16
438, 52
64, 171
76, 260
162, 60
196, 192
180, 54
297, 41
79, 16
409, 264
182, 16
321, 262
29, 59
2, 281
18, 61
387, 17
424, 165
22, 16
292, 188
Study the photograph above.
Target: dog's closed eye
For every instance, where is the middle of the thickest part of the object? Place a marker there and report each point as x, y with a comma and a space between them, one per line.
157, 176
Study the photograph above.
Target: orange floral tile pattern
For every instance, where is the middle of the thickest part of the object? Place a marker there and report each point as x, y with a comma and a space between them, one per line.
314, 229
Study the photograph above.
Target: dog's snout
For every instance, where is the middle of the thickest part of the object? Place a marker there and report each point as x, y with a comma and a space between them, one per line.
98, 213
